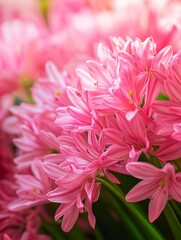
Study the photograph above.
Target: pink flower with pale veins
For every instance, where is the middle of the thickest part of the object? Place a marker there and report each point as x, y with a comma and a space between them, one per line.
160, 185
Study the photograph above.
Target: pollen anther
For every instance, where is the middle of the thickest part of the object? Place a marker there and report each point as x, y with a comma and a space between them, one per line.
162, 183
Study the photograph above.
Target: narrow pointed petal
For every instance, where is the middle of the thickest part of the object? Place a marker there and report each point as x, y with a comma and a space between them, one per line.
142, 170
157, 203
141, 191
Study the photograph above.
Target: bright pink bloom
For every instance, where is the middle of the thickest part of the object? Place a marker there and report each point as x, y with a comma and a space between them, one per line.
127, 139
168, 111
159, 185
122, 79
85, 158
74, 198
78, 131
34, 142
79, 115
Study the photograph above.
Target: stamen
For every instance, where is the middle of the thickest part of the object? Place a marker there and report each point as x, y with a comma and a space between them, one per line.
149, 74
131, 93
58, 93
162, 183
131, 102
78, 94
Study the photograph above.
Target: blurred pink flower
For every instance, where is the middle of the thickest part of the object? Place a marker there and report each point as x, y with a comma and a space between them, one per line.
31, 188
11, 9
17, 225
6, 237
17, 54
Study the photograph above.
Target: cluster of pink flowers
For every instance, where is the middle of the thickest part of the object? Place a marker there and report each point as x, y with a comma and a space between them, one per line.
83, 121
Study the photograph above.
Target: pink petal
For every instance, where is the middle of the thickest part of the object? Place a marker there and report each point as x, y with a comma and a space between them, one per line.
63, 208
170, 150
61, 195
69, 219
157, 203
52, 170
143, 170
164, 56
141, 191
173, 90
91, 217
175, 187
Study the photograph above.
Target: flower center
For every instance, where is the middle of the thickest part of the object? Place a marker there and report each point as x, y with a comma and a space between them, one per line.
58, 93
131, 93
149, 74
162, 183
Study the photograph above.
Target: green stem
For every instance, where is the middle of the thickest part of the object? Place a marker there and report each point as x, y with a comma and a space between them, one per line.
175, 207
128, 221
50, 229
76, 233
154, 160
173, 222
145, 224
98, 234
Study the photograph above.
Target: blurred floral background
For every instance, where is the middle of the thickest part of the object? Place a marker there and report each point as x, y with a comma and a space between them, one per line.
90, 106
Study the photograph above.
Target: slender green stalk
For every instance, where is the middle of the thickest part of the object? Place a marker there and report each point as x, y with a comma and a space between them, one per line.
154, 234
50, 229
76, 233
175, 207
98, 234
173, 222
127, 220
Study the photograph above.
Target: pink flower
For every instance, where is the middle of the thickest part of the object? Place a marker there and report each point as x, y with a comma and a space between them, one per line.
159, 185
159, 20
127, 139
17, 225
85, 158
31, 188
19, 9
74, 198
36, 133
122, 79
78, 115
